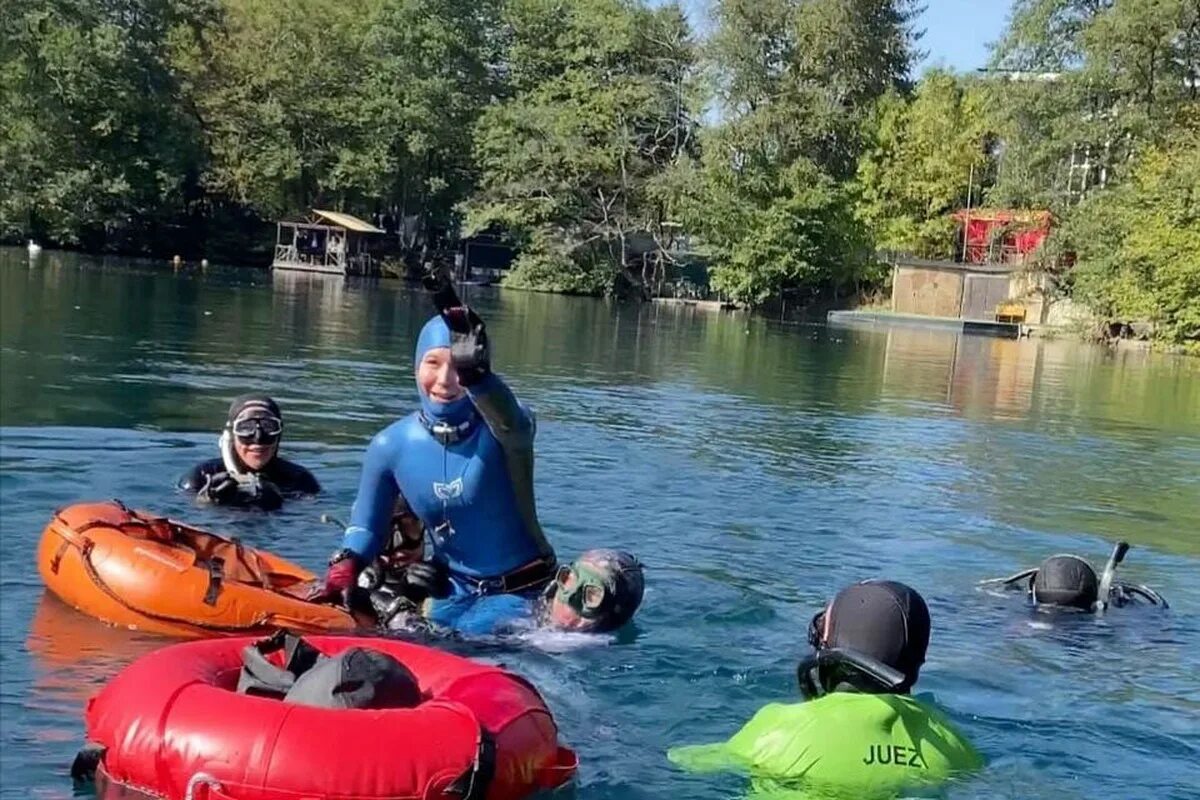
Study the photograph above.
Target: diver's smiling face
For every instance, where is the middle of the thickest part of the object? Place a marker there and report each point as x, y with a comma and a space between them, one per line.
437, 377
255, 456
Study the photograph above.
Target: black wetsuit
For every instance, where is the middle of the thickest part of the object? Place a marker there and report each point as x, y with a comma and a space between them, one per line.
291, 480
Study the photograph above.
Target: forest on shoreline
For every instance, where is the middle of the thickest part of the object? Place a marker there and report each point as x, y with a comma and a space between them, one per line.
782, 143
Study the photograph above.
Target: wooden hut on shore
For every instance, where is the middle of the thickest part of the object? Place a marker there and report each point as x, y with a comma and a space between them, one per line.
328, 241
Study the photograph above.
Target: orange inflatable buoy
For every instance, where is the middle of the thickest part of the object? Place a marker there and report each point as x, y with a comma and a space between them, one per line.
135, 570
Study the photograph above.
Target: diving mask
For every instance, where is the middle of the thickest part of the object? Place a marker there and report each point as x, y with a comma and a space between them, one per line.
258, 429
582, 588
600, 591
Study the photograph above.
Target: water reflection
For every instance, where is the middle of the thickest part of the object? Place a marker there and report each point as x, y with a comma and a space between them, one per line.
73, 655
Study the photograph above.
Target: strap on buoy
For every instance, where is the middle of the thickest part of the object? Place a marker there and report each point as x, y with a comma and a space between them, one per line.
216, 573
200, 779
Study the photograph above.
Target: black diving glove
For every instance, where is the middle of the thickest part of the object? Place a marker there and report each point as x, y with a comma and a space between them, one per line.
269, 498
425, 579
220, 488
468, 344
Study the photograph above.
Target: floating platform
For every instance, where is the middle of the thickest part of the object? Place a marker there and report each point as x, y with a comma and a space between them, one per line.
703, 305
886, 319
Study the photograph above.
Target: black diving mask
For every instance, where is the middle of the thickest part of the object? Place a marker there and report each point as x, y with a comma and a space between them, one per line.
258, 430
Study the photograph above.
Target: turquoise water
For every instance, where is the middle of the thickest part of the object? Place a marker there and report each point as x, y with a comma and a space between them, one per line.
755, 468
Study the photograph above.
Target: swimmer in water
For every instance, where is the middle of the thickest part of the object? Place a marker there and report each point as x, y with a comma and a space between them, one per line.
858, 731
1070, 582
464, 463
599, 592
250, 472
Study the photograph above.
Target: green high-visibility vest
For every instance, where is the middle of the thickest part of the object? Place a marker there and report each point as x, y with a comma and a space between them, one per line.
842, 744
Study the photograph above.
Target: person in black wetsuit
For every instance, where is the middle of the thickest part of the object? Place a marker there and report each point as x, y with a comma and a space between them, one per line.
250, 472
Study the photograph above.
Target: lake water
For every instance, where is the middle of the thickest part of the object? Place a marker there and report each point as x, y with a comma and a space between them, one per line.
754, 467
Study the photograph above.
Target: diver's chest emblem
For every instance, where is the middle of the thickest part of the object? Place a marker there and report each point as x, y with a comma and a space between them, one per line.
448, 491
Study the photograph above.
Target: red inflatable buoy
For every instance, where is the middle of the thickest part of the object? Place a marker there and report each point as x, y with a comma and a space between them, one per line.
171, 725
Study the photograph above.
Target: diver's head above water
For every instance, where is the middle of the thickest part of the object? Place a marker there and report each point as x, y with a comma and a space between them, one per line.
443, 398
600, 591
255, 426
1069, 582
872, 638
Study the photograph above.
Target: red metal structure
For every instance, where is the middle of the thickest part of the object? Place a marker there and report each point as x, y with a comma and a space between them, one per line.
1001, 235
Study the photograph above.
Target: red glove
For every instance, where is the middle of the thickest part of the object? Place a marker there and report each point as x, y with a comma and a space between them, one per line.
340, 578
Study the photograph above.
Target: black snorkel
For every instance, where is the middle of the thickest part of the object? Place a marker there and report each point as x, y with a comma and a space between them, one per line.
829, 669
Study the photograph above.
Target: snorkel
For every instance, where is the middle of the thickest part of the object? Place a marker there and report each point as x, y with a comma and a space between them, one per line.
232, 465
1106, 579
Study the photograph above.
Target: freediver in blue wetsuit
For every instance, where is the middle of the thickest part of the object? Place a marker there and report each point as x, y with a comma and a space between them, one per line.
464, 463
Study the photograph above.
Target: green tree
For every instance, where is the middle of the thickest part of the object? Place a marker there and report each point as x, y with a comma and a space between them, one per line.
1091, 81
1100, 126
96, 144
278, 88
921, 155
569, 162
770, 233
1139, 243
796, 77
350, 105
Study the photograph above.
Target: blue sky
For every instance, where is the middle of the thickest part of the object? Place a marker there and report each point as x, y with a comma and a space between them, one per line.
957, 32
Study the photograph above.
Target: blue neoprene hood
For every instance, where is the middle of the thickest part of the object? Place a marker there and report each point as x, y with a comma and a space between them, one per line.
435, 334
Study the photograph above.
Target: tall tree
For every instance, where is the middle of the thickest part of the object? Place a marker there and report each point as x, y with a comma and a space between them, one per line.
278, 87
795, 79
798, 76
570, 160
1138, 244
924, 154
772, 233
96, 145
358, 104
1093, 81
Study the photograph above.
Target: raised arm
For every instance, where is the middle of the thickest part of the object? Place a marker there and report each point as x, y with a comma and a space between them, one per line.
510, 422
514, 427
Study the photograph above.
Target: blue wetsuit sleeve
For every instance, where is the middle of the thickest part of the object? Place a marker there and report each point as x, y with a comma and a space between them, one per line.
510, 422
371, 515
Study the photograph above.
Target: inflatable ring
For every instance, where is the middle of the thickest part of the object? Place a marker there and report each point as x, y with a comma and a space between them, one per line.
135, 570
171, 726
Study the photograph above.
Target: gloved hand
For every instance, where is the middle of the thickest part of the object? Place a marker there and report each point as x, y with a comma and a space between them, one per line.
424, 579
468, 344
269, 497
340, 578
220, 488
